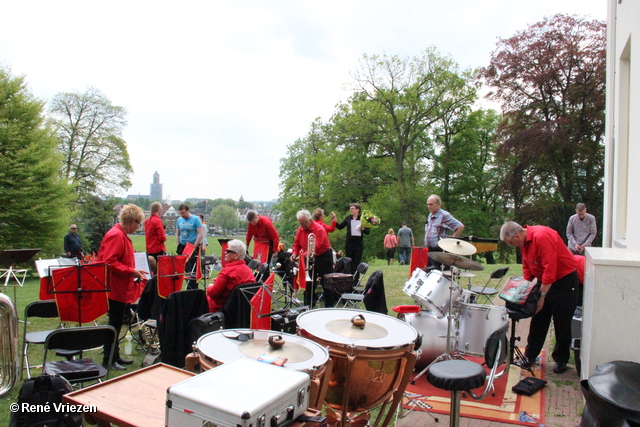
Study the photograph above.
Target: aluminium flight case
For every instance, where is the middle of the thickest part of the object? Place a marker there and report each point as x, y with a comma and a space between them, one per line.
245, 393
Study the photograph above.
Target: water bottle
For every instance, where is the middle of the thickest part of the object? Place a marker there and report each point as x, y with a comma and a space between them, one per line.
128, 347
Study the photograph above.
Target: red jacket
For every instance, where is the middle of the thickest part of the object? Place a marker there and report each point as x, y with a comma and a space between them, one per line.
545, 256
116, 250
302, 239
329, 228
263, 231
233, 274
154, 235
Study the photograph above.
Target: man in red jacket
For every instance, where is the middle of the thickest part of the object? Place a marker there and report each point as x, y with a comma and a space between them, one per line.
261, 229
116, 250
154, 235
546, 258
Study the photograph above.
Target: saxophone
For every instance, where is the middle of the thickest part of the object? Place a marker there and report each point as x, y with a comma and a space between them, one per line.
9, 366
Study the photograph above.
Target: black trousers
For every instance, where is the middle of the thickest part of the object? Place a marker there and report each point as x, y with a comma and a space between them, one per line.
323, 264
559, 305
116, 313
354, 250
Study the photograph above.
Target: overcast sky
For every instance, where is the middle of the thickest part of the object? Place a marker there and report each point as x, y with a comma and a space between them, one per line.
217, 90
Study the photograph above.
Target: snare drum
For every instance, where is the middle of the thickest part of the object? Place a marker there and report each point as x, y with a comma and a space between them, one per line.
415, 281
477, 323
434, 335
434, 294
302, 355
372, 354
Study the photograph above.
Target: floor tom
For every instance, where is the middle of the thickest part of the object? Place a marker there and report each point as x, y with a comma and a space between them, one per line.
477, 322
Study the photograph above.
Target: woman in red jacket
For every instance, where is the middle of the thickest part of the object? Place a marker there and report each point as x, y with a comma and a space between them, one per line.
116, 250
235, 272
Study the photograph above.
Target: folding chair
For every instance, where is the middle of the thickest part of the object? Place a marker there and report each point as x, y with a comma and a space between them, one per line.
79, 339
262, 273
361, 270
253, 265
39, 309
499, 274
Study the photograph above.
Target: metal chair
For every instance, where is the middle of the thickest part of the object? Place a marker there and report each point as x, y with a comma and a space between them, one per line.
79, 339
38, 309
463, 375
361, 270
262, 272
253, 264
499, 274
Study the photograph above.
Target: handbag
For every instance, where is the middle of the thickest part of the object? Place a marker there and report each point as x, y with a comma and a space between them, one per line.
521, 296
528, 386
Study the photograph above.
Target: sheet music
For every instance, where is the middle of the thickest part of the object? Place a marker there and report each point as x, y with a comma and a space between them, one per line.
44, 266
142, 263
355, 223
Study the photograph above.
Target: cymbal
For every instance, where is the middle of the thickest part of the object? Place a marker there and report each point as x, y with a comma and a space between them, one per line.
453, 260
460, 273
293, 352
457, 246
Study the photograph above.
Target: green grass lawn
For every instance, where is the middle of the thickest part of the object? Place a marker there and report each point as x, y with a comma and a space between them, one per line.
395, 277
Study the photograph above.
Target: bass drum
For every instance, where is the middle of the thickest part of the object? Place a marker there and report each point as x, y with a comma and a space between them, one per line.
372, 354
434, 335
216, 348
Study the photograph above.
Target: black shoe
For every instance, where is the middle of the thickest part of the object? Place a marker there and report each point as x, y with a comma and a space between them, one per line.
560, 368
122, 361
115, 366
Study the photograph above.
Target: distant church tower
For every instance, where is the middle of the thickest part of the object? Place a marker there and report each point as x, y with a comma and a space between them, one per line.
155, 193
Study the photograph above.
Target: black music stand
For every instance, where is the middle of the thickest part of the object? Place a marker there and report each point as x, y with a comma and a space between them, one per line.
525, 363
11, 275
69, 280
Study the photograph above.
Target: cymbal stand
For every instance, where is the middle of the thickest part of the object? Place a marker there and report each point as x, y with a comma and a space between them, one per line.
450, 316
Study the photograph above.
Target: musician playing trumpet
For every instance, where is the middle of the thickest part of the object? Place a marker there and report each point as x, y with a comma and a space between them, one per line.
312, 242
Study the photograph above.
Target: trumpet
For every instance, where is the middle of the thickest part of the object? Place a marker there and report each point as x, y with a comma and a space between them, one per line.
9, 366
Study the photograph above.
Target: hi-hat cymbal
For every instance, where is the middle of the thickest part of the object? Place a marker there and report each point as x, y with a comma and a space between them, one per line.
453, 260
457, 246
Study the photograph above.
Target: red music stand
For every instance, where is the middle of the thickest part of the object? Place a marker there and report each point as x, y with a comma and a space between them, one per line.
419, 259
81, 292
170, 274
261, 251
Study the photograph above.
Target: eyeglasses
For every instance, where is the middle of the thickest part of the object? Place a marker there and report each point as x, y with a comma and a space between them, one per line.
137, 222
240, 337
228, 251
74, 228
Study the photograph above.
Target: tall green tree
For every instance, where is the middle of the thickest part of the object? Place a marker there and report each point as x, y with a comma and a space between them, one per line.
95, 217
398, 101
34, 198
224, 216
550, 79
89, 130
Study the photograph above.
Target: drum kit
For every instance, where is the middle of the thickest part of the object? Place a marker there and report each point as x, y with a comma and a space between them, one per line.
450, 322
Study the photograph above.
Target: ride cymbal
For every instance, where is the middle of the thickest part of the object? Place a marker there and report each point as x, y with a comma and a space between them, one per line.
453, 260
457, 246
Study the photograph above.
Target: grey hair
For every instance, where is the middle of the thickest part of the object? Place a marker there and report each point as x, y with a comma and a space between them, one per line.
438, 201
238, 247
303, 214
580, 207
510, 229
156, 207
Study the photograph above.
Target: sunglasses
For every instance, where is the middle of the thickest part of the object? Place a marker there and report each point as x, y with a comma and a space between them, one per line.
240, 337
227, 251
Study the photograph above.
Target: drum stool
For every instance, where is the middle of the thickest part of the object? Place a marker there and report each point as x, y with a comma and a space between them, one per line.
456, 376
513, 348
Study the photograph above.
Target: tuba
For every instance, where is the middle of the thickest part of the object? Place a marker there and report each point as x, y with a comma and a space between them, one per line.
311, 253
9, 367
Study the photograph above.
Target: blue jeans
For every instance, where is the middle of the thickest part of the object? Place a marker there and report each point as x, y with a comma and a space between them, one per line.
404, 255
